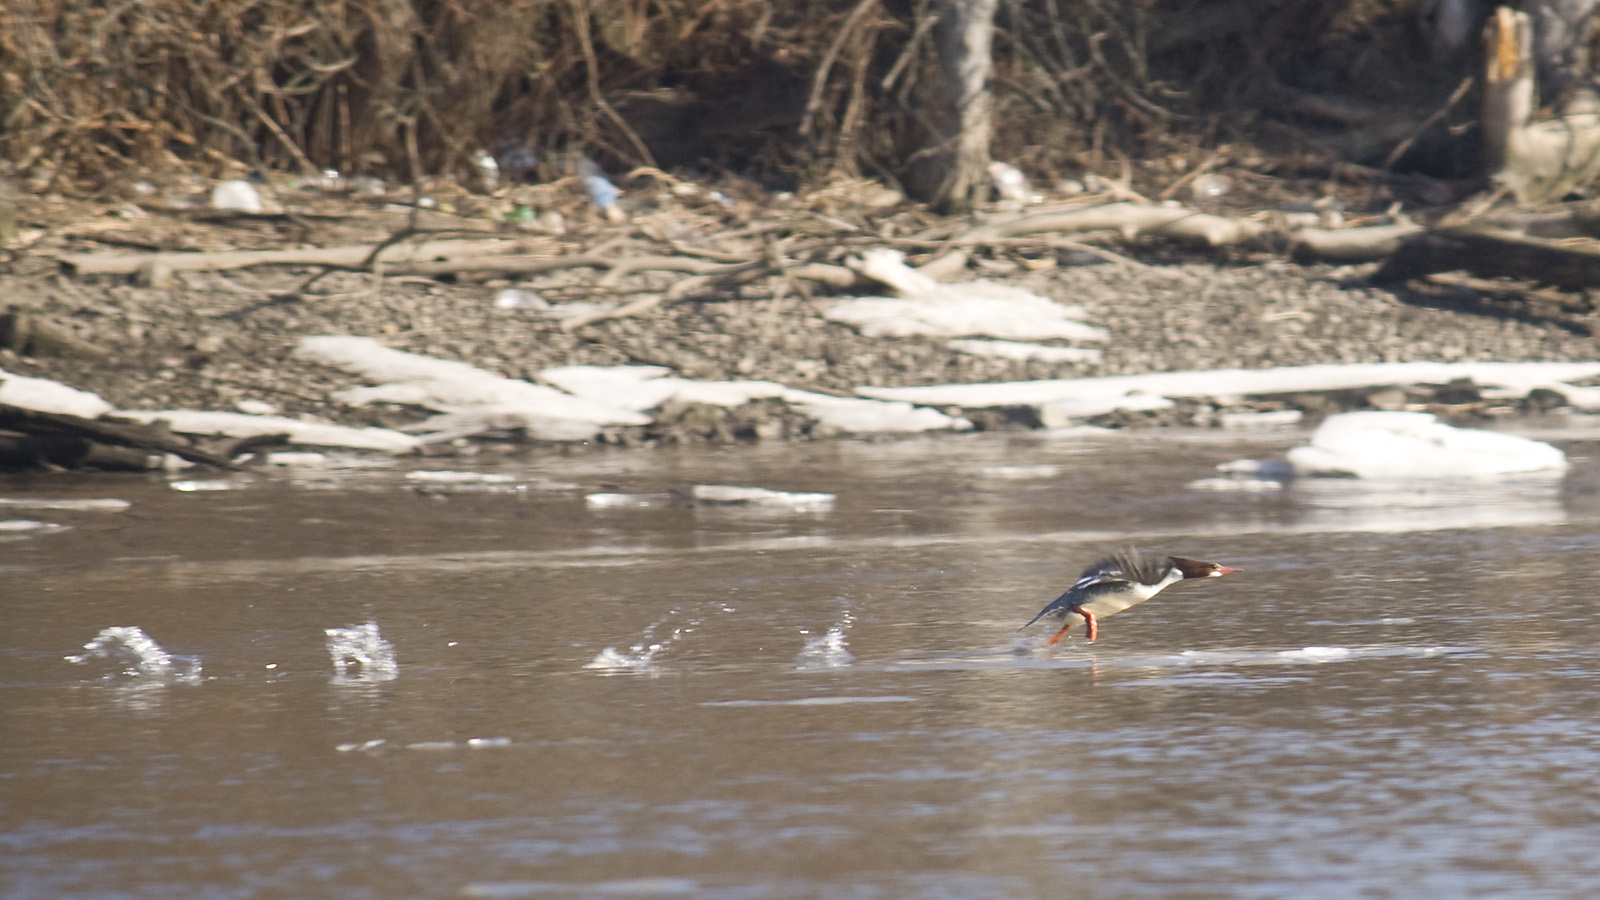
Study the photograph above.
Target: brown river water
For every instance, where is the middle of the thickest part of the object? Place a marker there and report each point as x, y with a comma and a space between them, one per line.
1398, 697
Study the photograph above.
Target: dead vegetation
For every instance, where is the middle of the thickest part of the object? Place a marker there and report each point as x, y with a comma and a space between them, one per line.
95, 94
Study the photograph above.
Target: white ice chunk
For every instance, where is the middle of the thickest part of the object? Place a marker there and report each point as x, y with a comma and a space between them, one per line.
1522, 377
1236, 485
1063, 412
624, 501
926, 307
1276, 418
232, 424
1023, 351
857, 416
642, 388
446, 476
1020, 473
13, 526
44, 395
755, 496
1416, 445
87, 504
649, 387
1257, 468
449, 386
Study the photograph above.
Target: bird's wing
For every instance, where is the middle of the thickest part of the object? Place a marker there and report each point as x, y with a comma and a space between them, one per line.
1081, 591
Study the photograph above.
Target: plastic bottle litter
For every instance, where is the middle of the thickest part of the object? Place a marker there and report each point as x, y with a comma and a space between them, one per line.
518, 162
601, 191
488, 170
236, 194
1210, 187
518, 298
1010, 183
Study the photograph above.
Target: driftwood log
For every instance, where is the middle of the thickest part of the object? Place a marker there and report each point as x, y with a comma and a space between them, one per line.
395, 257
1486, 250
30, 439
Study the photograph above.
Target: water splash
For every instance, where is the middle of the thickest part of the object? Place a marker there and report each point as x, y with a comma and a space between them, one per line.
133, 654
830, 650
360, 654
641, 656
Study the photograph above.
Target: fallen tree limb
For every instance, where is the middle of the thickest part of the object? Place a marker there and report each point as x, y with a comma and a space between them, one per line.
1131, 220
1494, 252
1349, 245
399, 257
77, 436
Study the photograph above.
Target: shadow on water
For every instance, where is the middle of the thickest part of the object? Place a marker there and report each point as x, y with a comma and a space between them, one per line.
492, 688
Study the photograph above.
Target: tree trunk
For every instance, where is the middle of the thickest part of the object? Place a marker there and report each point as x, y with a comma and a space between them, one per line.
1536, 160
953, 173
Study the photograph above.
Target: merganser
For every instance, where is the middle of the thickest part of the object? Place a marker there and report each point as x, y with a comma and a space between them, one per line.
1117, 582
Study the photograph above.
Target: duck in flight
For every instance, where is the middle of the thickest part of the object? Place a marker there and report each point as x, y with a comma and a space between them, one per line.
1117, 582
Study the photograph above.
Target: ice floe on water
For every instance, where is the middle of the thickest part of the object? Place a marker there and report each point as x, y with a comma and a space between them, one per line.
483, 482
1020, 473
1411, 445
732, 495
86, 504
659, 886
205, 485
377, 744
611, 500
360, 654
126, 651
25, 526
824, 700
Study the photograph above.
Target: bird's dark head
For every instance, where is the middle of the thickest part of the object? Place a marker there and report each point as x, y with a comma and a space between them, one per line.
1194, 568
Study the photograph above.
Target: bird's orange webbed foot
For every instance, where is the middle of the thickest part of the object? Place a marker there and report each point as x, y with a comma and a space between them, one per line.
1056, 638
1092, 623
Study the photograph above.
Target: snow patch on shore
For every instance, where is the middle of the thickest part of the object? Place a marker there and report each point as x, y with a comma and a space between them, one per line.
1084, 397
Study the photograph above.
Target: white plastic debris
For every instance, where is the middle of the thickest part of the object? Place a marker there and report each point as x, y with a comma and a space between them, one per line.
1011, 184
519, 298
236, 194
1408, 445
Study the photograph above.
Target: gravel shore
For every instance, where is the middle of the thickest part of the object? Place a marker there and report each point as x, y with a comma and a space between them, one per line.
216, 339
